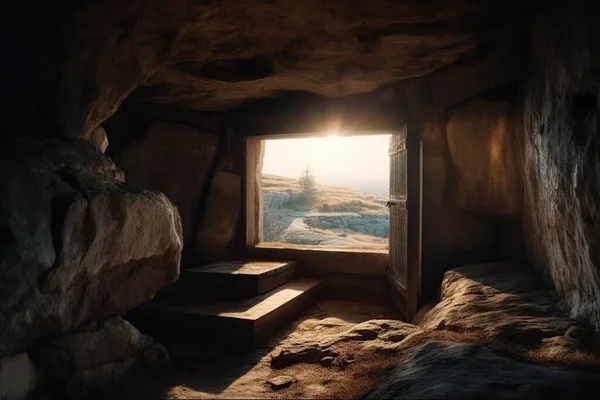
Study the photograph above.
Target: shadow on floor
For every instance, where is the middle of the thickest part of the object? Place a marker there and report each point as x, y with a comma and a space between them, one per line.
205, 369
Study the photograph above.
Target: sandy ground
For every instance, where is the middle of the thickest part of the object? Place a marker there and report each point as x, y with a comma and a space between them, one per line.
199, 371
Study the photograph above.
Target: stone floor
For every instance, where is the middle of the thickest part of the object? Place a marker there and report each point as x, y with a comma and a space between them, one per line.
495, 333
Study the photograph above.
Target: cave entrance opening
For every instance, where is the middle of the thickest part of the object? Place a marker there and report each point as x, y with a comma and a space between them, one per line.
323, 192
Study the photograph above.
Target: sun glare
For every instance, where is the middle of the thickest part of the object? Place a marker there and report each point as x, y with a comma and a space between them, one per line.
355, 161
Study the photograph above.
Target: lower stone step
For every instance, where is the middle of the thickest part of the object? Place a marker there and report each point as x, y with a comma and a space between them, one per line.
233, 324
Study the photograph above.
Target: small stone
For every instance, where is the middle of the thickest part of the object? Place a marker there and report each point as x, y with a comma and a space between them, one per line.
343, 363
327, 361
281, 382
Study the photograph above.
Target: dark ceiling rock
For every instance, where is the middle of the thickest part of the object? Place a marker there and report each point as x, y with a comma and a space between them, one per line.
237, 70
214, 55
336, 49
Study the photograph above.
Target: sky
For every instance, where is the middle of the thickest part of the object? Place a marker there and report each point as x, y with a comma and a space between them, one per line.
358, 162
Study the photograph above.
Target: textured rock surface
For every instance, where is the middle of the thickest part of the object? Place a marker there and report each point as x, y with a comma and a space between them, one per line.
177, 160
278, 200
79, 361
479, 136
97, 138
206, 372
562, 172
448, 370
494, 334
78, 244
374, 335
216, 54
503, 301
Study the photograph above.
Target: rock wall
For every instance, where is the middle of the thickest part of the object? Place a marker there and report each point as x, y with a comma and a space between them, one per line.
562, 143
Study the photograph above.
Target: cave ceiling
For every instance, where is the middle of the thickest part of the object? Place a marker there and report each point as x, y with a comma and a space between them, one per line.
233, 51
88, 57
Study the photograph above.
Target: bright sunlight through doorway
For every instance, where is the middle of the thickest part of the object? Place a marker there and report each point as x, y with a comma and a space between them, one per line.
326, 191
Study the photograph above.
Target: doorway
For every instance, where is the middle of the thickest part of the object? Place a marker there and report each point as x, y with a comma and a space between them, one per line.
297, 207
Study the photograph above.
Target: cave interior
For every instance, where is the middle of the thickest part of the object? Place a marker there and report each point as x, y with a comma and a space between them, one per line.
132, 216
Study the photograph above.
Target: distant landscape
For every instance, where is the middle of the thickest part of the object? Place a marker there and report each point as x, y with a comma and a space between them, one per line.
334, 216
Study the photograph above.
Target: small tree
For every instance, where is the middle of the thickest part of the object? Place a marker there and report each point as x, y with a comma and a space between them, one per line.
308, 182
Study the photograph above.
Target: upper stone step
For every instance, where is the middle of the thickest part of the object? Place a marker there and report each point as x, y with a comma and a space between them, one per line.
233, 279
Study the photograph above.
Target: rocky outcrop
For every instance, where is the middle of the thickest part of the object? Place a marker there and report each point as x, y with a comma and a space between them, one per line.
562, 168
368, 223
283, 223
78, 243
178, 160
278, 200
322, 229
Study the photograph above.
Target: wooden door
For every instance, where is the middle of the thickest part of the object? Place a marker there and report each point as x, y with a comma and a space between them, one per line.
405, 221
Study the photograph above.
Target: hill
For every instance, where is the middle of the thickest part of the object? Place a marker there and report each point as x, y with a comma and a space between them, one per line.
334, 216
329, 198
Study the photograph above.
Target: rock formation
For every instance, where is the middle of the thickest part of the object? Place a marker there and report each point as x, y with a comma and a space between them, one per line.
78, 243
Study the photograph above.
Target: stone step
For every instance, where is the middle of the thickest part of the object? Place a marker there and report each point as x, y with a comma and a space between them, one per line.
234, 324
233, 279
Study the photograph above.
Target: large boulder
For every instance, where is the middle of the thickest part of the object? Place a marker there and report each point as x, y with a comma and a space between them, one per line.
77, 243
178, 160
